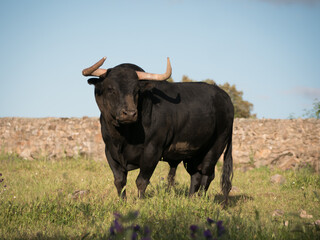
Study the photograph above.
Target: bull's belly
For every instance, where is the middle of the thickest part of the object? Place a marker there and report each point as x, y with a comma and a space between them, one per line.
181, 151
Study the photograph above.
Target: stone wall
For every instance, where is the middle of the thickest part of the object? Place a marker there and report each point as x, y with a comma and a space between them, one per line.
51, 137
282, 143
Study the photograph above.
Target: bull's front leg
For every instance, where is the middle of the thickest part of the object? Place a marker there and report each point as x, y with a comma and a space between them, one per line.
120, 175
148, 163
120, 181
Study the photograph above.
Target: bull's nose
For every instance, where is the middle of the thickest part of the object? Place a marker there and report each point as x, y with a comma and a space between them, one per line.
128, 116
129, 113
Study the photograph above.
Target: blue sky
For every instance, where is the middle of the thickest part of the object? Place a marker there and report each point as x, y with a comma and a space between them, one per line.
269, 49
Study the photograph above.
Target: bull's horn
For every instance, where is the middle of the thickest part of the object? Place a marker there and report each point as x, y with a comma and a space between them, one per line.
94, 70
156, 77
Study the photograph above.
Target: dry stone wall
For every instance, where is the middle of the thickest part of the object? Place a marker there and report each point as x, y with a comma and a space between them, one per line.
51, 137
282, 143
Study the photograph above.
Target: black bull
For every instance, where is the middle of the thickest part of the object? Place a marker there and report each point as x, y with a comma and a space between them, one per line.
145, 121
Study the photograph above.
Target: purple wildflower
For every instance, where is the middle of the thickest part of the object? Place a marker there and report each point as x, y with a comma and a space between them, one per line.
1, 180
221, 229
136, 228
134, 236
207, 234
146, 231
5, 186
117, 226
0, 174
194, 228
210, 221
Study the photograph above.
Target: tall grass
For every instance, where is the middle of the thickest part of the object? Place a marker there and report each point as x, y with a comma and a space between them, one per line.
76, 199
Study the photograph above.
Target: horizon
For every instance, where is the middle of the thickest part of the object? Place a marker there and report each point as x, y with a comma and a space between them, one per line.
268, 49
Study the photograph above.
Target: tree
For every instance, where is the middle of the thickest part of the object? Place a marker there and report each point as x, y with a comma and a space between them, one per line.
242, 108
170, 80
186, 79
315, 111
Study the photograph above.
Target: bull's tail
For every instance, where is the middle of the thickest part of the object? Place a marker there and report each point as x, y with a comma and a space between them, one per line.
227, 171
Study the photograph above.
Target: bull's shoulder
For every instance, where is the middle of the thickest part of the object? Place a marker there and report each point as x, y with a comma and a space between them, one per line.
168, 95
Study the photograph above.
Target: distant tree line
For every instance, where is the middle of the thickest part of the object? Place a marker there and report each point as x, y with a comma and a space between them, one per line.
314, 112
242, 108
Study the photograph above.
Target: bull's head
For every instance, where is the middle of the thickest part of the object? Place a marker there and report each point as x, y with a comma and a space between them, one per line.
117, 89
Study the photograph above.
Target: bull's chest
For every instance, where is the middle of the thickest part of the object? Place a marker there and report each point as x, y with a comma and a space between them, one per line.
127, 155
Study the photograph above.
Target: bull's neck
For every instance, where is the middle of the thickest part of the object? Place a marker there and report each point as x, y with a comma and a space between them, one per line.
120, 134
110, 129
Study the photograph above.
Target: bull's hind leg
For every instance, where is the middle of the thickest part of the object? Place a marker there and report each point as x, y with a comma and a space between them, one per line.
172, 172
192, 168
205, 181
202, 171
195, 183
200, 182
210, 160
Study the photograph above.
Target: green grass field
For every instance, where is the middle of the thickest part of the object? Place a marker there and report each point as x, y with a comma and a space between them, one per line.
38, 200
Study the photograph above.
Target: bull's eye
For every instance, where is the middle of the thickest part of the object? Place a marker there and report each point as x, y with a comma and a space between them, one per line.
136, 94
111, 90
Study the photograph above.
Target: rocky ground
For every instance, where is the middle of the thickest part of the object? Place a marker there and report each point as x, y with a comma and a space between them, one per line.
264, 142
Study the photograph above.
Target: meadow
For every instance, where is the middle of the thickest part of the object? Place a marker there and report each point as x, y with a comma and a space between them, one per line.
75, 199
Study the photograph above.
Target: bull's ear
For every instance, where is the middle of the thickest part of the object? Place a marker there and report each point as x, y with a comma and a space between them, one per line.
146, 85
94, 81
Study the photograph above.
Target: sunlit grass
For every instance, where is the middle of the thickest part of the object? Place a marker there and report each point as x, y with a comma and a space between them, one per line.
38, 201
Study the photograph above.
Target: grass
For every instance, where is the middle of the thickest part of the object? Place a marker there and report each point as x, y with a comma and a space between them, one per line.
38, 201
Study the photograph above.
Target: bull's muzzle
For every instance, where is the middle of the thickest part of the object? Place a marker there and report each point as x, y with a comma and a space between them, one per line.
127, 116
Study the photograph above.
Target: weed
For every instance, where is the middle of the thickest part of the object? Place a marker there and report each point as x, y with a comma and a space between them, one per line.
37, 203
123, 227
251, 157
211, 230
